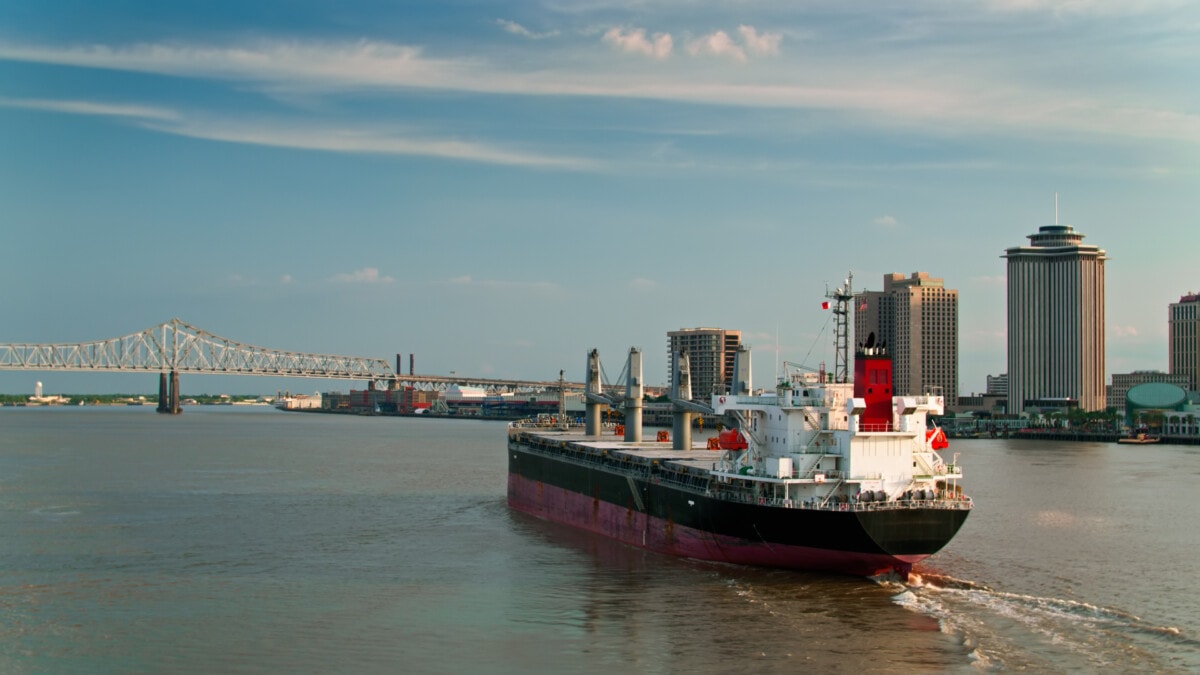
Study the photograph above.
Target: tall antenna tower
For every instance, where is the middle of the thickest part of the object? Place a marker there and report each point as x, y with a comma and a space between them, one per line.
842, 299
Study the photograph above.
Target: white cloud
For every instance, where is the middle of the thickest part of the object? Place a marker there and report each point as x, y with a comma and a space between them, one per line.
634, 41
1123, 331
366, 275
717, 44
721, 44
642, 284
517, 29
766, 44
886, 221
286, 279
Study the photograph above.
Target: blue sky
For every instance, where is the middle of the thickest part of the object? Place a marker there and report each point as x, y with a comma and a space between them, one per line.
498, 187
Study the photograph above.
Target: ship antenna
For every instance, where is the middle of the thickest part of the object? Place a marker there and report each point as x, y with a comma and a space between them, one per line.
562, 402
776, 352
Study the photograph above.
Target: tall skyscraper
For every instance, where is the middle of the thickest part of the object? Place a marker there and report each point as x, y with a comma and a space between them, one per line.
1184, 339
916, 319
1055, 321
710, 353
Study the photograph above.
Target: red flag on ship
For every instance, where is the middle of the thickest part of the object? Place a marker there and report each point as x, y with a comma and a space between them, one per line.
825, 305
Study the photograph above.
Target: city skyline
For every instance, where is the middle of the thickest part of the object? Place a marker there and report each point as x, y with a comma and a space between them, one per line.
498, 188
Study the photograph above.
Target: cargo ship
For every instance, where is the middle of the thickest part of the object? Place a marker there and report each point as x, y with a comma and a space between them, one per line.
814, 474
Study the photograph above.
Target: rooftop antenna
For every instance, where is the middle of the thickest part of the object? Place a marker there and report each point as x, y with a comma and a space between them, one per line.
1055, 208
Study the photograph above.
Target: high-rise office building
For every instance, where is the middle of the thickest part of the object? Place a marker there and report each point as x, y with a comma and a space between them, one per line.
1055, 322
916, 319
710, 353
1184, 339
997, 385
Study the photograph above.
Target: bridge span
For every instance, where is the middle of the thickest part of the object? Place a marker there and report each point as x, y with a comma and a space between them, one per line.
177, 347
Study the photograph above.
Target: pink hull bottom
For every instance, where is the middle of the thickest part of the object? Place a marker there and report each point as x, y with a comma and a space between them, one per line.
663, 536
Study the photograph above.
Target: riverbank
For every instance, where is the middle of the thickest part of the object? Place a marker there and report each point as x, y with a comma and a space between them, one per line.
1091, 436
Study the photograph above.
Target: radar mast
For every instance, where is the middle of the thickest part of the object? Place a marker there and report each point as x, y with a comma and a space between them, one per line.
842, 298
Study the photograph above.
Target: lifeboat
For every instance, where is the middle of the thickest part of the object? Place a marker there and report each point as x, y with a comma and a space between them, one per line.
732, 439
936, 438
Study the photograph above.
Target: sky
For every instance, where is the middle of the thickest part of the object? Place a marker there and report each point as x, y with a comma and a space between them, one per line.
499, 187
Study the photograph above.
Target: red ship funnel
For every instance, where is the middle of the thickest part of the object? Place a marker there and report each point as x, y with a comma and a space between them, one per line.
873, 384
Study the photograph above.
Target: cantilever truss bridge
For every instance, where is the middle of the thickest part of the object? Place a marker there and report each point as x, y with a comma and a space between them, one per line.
179, 347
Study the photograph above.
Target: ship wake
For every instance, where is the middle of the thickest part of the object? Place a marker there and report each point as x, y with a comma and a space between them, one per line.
1010, 630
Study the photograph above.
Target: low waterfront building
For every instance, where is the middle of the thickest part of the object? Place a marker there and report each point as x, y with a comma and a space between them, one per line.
1151, 398
1123, 382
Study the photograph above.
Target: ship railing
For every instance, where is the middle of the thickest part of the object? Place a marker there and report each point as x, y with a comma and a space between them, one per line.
549, 424
816, 504
728, 493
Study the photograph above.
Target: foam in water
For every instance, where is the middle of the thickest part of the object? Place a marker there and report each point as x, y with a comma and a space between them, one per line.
1082, 628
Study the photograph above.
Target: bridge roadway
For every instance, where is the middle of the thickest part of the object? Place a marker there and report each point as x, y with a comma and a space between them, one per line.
177, 347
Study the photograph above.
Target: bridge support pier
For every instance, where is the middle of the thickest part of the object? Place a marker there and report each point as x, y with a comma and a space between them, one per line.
168, 393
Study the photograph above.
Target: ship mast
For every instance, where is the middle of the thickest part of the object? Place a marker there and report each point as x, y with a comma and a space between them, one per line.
842, 298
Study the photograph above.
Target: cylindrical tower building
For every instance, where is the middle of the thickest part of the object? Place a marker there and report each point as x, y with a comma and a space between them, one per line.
1056, 321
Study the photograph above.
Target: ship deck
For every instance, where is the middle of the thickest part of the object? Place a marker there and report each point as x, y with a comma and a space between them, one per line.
699, 457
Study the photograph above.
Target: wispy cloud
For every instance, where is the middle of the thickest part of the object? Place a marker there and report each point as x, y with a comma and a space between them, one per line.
361, 140
908, 96
360, 63
886, 221
513, 286
1062, 7
517, 29
993, 281
642, 284
634, 41
91, 108
366, 275
275, 133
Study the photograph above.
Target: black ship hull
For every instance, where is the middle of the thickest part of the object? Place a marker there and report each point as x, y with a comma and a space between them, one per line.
645, 507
